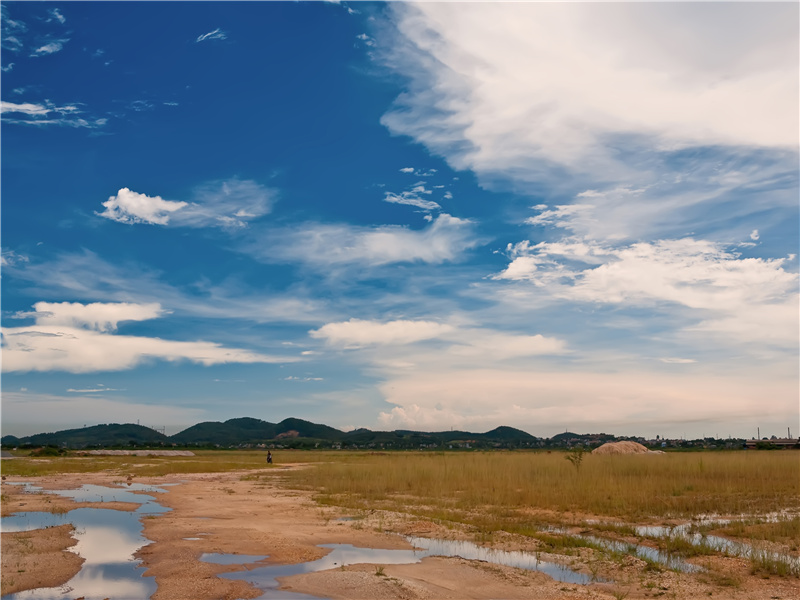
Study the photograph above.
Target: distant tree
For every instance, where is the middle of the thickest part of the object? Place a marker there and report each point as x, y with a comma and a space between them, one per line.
575, 456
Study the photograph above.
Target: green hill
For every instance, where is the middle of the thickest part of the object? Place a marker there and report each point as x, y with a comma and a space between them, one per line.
112, 434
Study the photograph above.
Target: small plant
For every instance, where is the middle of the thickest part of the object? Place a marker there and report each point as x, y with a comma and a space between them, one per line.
575, 456
380, 572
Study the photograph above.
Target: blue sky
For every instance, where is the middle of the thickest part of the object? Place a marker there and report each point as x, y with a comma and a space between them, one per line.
416, 216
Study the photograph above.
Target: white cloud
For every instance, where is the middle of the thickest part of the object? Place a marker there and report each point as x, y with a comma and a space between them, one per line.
412, 198
446, 238
98, 316
38, 114
74, 338
754, 235
7, 68
407, 170
131, 207
748, 298
357, 333
217, 34
49, 48
227, 204
520, 87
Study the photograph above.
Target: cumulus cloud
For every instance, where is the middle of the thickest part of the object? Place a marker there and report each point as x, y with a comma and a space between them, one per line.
77, 338
226, 204
131, 207
217, 34
445, 239
515, 88
357, 333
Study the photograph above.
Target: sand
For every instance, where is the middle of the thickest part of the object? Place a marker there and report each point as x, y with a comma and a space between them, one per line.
621, 448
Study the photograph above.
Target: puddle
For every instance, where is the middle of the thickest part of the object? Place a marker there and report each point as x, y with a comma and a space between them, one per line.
265, 578
231, 559
714, 542
107, 540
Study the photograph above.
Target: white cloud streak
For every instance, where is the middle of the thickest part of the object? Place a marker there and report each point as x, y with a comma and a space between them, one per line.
75, 338
217, 34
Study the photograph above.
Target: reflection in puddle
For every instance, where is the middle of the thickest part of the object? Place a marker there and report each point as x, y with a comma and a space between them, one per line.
265, 578
231, 559
107, 540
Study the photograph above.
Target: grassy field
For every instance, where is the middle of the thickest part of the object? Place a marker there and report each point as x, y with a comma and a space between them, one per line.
679, 485
520, 492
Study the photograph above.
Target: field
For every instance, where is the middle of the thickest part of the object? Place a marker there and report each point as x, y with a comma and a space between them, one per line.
587, 512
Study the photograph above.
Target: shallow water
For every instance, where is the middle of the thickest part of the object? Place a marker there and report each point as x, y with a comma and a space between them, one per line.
265, 577
107, 540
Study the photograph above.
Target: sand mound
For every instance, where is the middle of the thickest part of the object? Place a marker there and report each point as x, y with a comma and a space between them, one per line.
621, 448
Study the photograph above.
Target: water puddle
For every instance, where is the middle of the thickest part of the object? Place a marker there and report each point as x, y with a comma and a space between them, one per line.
266, 577
107, 540
713, 542
231, 559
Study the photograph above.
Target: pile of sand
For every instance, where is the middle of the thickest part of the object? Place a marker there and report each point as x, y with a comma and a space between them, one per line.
621, 448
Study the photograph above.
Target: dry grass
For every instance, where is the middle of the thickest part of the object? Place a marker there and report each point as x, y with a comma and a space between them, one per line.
638, 488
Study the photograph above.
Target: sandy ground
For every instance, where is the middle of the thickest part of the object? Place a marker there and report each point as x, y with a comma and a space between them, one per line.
253, 513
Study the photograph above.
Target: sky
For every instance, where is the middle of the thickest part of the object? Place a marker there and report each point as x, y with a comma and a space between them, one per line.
550, 216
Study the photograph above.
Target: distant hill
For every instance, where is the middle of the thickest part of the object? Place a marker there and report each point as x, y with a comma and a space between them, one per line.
112, 434
244, 432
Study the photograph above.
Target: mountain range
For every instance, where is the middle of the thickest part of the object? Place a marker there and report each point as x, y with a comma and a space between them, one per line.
292, 433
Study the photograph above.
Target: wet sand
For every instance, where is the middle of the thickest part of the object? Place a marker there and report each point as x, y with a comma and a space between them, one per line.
253, 513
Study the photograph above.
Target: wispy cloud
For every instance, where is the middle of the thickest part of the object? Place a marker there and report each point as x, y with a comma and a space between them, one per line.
628, 79
89, 277
413, 197
79, 339
11, 30
217, 34
55, 15
46, 114
317, 245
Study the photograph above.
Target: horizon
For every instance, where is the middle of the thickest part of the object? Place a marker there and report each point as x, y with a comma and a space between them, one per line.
164, 431
402, 216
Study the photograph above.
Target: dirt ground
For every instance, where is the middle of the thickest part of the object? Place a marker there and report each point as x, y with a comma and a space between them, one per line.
253, 513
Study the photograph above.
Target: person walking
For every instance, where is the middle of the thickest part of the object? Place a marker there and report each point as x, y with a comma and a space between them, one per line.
269, 457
